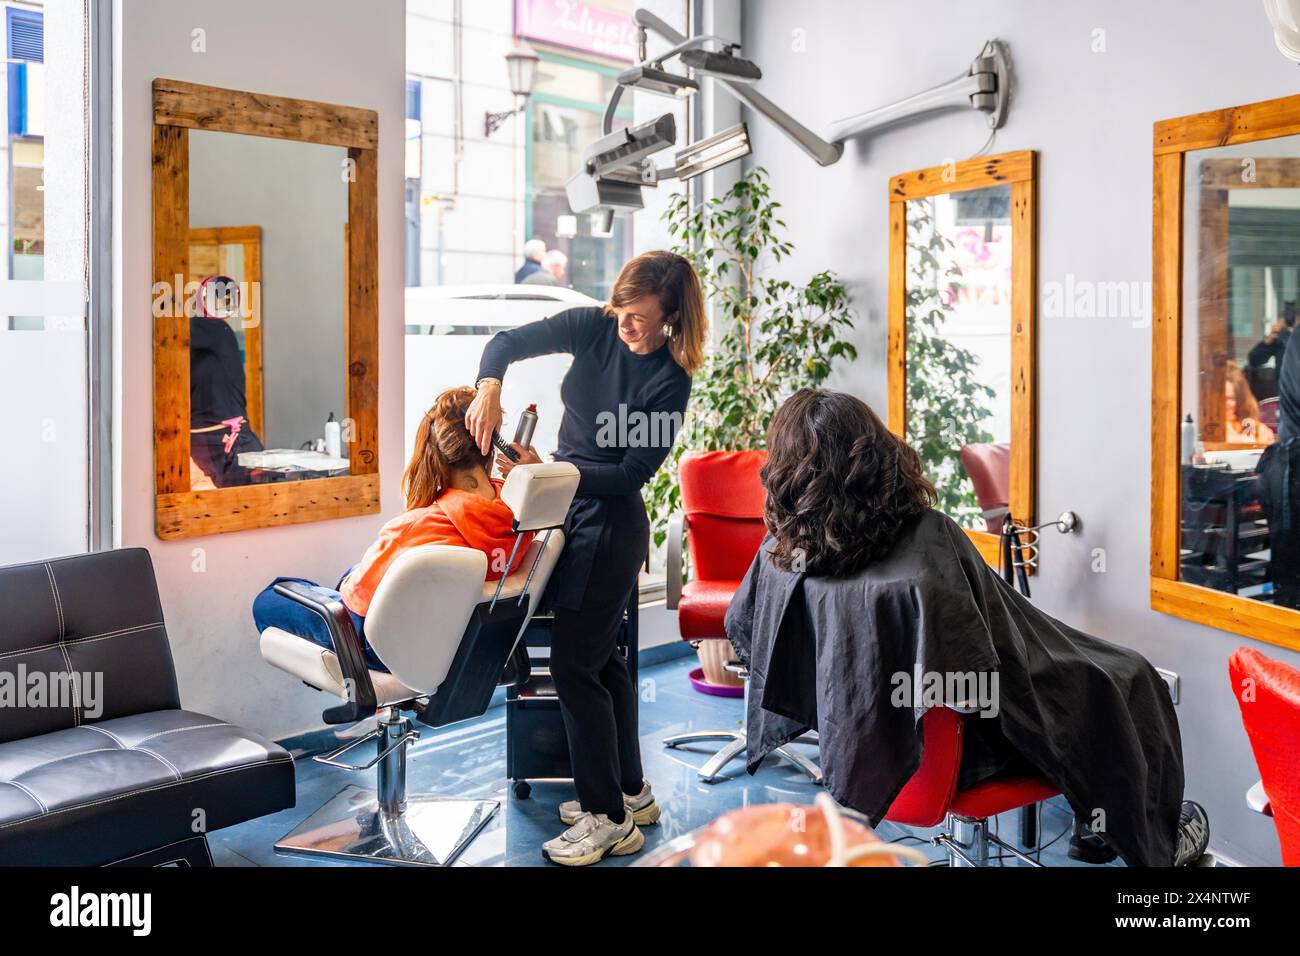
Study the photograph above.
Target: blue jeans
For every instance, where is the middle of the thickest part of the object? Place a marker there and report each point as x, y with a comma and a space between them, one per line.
275, 610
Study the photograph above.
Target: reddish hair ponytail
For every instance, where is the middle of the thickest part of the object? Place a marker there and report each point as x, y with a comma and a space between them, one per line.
443, 445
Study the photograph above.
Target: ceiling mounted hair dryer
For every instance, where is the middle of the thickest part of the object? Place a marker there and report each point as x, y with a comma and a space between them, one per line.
616, 166
722, 65
616, 169
655, 80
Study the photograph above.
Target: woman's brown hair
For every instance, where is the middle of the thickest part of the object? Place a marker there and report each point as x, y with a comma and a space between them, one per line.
443, 445
1247, 407
672, 279
839, 484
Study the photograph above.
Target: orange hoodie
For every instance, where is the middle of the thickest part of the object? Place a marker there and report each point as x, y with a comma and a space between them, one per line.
458, 518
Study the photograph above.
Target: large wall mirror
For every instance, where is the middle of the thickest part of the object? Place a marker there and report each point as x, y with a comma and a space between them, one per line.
961, 336
1225, 545
265, 310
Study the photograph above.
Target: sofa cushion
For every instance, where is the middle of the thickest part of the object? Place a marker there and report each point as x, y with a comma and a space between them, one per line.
99, 792
90, 629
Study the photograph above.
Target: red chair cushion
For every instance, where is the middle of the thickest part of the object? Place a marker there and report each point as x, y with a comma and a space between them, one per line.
1000, 795
932, 792
722, 483
924, 799
703, 607
722, 549
1272, 720
1270, 412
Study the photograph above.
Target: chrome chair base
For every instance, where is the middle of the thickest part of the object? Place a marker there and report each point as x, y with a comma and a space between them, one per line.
430, 831
735, 747
967, 841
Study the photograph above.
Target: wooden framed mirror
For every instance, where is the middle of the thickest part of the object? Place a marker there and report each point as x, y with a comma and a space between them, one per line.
1225, 538
962, 288
254, 425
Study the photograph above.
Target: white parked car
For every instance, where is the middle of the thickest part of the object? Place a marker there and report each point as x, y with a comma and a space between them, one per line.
446, 329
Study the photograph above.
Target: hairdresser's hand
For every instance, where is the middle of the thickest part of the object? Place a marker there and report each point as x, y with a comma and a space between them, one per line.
1278, 327
483, 417
527, 456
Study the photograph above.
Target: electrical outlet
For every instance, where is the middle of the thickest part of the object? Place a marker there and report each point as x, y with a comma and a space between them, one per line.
1171, 681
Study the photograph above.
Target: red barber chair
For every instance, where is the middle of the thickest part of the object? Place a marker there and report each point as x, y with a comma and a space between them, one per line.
722, 524
931, 797
1268, 693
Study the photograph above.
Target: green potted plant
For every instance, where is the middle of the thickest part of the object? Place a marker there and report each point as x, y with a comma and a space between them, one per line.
772, 336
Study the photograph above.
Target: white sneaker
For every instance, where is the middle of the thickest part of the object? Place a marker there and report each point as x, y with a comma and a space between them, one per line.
591, 838
644, 809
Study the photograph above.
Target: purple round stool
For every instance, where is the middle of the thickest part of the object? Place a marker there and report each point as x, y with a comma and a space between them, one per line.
715, 690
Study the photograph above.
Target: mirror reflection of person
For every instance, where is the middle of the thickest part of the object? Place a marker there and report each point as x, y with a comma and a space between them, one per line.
1273, 344
1279, 474
1241, 410
219, 429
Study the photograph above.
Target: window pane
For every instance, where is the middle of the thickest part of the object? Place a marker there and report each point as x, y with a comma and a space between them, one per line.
43, 341
481, 181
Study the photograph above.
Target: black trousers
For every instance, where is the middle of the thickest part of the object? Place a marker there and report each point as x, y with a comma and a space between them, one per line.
209, 453
598, 700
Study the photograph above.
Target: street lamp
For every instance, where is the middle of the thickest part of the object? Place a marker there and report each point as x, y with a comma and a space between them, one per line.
521, 65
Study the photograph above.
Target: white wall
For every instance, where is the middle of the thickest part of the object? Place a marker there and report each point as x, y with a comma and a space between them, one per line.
1090, 116
338, 51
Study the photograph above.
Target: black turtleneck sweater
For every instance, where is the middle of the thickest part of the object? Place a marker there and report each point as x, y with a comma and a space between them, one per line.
621, 410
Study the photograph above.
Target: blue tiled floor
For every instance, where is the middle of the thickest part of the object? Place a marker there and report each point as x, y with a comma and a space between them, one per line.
468, 760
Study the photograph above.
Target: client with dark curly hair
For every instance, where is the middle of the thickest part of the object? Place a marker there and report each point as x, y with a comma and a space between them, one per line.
839, 484
865, 607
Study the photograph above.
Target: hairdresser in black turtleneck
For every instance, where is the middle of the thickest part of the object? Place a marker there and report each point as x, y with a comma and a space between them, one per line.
624, 397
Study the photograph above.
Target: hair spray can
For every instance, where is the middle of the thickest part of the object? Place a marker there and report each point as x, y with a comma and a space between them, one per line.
527, 425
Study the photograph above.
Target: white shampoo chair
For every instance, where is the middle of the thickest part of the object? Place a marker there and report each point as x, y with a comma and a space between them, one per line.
446, 637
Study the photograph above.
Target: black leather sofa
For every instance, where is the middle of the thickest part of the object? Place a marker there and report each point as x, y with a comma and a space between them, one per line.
107, 768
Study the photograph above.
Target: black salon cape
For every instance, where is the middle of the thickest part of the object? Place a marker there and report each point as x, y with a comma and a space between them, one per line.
1094, 718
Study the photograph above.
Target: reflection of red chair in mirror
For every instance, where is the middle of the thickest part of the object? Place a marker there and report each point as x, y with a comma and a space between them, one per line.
989, 467
1268, 412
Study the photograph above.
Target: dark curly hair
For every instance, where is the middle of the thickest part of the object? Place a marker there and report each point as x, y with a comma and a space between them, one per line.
839, 484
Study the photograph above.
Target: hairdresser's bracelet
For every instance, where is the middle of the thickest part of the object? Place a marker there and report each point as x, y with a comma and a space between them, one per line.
487, 378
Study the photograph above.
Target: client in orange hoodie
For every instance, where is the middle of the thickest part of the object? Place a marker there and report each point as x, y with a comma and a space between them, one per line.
450, 499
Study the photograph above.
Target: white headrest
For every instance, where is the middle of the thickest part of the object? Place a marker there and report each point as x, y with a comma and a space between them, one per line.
420, 609
540, 495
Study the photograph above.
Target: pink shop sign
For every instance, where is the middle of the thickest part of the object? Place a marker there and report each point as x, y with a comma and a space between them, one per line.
578, 26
